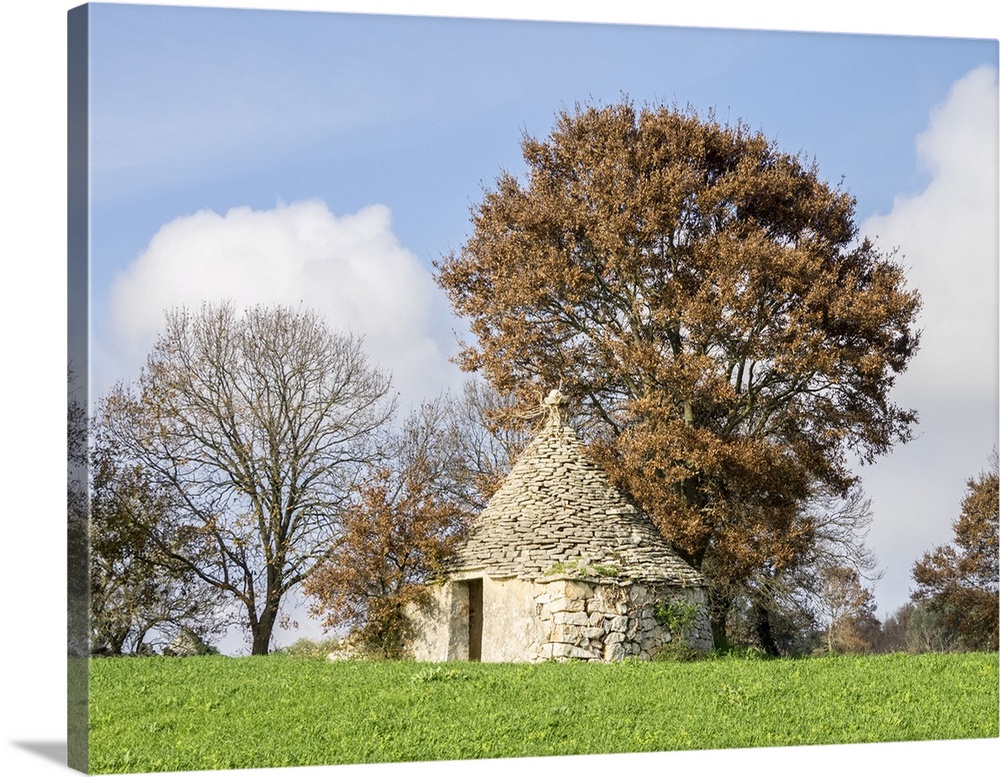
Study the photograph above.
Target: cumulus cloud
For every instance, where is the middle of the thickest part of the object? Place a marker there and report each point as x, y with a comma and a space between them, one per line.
947, 236
351, 269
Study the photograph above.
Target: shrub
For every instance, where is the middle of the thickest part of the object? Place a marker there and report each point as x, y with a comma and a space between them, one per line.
310, 648
678, 617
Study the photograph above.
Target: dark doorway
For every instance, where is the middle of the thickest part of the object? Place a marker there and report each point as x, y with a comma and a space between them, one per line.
475, 620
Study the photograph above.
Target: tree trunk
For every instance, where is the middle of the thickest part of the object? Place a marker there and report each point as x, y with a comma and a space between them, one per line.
261, 632
718, 612
262, 628
764, 633
719, 627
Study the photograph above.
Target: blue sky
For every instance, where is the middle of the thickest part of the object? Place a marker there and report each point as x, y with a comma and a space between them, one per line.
199, 118
191, 105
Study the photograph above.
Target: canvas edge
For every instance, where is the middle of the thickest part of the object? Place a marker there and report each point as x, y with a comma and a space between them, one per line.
77, 338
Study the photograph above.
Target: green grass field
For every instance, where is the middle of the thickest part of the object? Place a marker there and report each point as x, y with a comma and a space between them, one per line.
163, 714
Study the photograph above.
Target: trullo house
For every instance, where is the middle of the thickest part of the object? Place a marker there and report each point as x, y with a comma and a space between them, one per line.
560, 565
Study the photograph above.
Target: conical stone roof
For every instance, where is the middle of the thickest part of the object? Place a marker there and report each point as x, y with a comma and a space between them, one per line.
557, 513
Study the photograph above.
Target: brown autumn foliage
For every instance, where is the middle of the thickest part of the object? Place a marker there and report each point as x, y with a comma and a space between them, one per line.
706, 299
959, 581
403, 521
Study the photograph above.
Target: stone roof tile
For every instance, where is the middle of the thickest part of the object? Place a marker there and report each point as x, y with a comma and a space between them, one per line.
559, 511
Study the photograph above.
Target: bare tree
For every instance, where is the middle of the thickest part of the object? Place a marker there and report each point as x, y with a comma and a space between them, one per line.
487, 446
779, 606
257, 425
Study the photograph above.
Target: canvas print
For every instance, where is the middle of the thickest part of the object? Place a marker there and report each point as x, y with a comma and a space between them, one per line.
449, 389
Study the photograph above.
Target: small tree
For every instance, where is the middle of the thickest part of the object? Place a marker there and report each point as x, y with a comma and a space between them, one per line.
139, 593
927, 632
848, 610
892, 638
914, 628
958, 582
403, 521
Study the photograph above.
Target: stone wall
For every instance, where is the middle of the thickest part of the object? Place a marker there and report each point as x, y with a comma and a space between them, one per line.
439, 629
604, 620
554, 618
511, 628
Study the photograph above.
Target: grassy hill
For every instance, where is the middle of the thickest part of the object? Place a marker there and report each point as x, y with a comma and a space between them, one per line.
172, 714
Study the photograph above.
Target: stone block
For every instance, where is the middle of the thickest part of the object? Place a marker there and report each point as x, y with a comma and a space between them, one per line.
614, 652
562, 650
574, 618
565, 632
576, 590
567, 605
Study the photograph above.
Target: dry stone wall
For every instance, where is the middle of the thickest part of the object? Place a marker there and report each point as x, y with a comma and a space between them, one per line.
560, 617
611, 621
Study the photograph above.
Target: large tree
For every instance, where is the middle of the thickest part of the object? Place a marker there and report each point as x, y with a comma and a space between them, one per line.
707, 299
958, 582
255, 425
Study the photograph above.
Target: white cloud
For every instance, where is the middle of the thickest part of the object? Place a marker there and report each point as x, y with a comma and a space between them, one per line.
947, 235
351, 269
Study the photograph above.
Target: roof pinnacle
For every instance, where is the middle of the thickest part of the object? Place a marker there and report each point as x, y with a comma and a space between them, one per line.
556, 403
